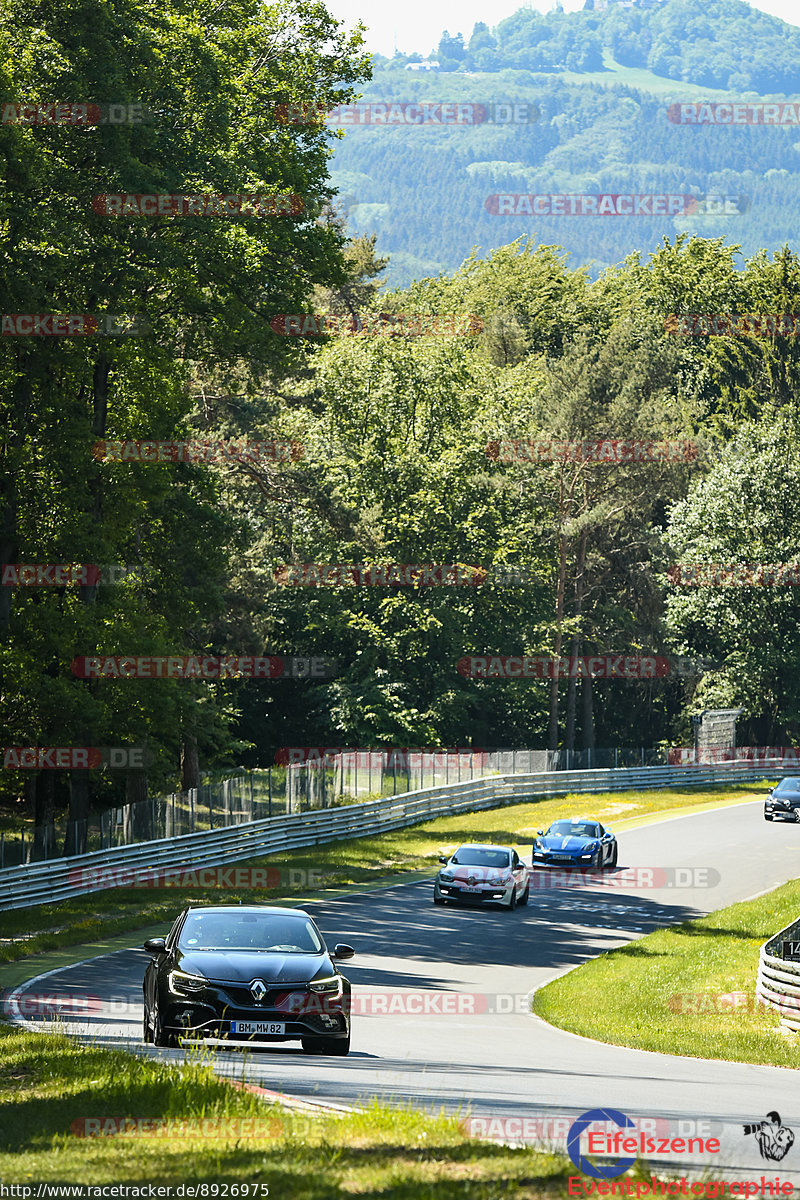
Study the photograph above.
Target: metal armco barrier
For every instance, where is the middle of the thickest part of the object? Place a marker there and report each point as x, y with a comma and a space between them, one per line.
38, 883
778, 983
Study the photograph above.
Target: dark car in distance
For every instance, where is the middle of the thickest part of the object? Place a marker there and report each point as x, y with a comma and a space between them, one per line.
784, 801
246, 974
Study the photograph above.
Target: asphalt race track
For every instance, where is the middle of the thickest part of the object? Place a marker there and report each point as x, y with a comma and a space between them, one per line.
440, 1001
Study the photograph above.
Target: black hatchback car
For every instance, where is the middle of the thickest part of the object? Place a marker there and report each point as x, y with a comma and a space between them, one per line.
247, 974
784, 801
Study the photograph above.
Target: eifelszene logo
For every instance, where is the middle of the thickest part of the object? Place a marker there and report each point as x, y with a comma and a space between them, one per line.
629, 1139
774, 1140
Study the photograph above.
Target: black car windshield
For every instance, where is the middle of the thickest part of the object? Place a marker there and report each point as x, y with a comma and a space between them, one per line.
249, 931
788, 787
572, 829
469, 857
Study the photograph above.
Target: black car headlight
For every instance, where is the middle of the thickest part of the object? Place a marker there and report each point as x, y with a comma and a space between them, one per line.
184, 984
331, 986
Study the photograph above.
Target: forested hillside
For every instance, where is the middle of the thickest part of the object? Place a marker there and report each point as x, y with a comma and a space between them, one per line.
414, 444
602, 83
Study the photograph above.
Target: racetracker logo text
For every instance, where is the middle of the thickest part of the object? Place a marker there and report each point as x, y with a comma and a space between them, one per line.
23, 113
734, 575
611, 451
129, 204
732, 325
611, 204
727, 113
195, 451
431, 113
609, 666
189, 667
70, 325
377, 325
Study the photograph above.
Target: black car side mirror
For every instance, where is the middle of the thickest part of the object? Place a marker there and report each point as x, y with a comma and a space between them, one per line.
340, 950
155, 946
443, 859
540, 833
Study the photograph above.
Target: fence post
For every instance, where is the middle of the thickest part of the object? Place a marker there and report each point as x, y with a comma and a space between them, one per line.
191, 808
210, 808
269, 792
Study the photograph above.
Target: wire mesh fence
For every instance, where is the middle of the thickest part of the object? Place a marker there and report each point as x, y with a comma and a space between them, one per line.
324, 781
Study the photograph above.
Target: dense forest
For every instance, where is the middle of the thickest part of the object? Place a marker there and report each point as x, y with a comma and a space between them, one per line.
399, 435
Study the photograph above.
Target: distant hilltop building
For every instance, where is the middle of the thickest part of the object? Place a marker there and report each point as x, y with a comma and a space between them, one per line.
428, 65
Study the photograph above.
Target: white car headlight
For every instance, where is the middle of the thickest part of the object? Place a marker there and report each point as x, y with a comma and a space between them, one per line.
446, 877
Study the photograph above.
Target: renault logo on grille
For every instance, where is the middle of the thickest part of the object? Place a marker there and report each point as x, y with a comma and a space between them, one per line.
258, 990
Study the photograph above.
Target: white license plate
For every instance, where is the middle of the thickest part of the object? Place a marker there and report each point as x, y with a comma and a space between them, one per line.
466, 888
267, 1027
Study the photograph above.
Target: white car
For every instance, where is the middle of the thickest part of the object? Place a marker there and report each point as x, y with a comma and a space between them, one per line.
482, 874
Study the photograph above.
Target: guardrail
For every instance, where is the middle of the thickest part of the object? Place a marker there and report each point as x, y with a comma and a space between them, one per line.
778, 984
38, 883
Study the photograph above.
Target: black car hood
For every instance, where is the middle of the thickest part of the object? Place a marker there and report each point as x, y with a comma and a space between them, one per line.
242, 966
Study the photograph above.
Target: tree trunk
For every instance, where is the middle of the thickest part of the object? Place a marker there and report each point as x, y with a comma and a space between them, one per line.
78, 819
552, 732
572, 688
41, 794
190, 763
587, 684
79, 789
139, 825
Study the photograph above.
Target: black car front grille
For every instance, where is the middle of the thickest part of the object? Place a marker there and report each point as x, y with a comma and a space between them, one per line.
240, 995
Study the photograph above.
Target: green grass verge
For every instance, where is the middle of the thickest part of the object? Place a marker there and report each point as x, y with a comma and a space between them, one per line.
344, 865
688, 989
203, 1129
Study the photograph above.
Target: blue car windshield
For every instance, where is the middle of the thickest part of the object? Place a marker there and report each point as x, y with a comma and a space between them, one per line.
573, 829
249, 931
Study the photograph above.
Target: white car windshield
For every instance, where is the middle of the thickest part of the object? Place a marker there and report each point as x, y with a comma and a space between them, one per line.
250, 931
468, 856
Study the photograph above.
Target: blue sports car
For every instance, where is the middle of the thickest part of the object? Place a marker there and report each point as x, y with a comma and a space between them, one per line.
578, 842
